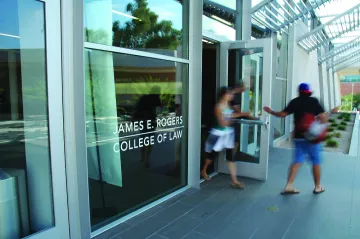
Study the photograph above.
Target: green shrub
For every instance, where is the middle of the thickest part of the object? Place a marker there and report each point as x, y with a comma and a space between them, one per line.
331, 143
340, 117
330, 129
332, 120
345, 115
334, 125
343, 123
329, 136
346, 119
337, 135
341, 127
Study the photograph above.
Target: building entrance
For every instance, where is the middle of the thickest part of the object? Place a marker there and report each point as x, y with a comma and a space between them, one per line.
209, 89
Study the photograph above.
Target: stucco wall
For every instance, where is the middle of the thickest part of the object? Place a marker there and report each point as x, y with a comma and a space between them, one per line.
337, 93
324, 88
303, 66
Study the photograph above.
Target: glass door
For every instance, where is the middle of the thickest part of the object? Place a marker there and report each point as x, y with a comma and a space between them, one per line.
252, 62
33, 200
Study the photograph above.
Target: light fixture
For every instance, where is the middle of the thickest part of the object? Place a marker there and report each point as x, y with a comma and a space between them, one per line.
125, 15
206, 41
221, 20
8, 35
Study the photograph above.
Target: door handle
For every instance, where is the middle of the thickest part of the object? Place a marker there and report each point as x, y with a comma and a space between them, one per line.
267, 121
251, 122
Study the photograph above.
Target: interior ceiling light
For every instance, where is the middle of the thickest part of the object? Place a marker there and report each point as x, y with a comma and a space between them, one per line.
206, 41
125, 15
221, 20
8, 35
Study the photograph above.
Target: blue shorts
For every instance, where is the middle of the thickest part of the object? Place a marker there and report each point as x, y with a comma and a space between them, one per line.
303, 148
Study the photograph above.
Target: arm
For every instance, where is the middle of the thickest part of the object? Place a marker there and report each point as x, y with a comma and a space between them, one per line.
279, 114
290, 109
239, 114
322, 116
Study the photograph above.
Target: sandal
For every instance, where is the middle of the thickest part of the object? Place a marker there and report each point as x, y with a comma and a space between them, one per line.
291, 191
205, 176
238, 185
322, 189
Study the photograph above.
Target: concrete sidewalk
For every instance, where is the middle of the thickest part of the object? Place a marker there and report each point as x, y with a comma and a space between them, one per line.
218, 211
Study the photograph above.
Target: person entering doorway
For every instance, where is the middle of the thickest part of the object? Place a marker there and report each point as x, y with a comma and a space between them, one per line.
221, 136
303, 107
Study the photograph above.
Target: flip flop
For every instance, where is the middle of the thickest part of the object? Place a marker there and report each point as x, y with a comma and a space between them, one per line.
238, 185
318, 192
205, 177
290, 192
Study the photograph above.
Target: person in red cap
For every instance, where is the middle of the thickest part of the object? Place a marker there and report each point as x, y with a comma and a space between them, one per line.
306, 110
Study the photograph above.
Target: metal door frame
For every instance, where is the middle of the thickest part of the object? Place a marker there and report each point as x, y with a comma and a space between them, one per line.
252, 170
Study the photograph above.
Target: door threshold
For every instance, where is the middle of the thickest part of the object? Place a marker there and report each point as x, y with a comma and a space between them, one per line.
210, 176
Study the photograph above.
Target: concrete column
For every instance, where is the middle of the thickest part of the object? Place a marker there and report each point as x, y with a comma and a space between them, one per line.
243, 20
195, 92
72, 24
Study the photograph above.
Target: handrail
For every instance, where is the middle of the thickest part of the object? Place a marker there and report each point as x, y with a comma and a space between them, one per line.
251, 122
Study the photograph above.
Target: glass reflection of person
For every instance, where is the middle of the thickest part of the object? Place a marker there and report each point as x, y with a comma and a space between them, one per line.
146, 109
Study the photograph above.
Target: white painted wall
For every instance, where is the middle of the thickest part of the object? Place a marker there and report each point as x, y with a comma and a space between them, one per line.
303, 66
337, 93
324, 85
331, 89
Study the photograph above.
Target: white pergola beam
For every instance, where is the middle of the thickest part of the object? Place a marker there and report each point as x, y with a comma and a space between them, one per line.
343, 27
347, 64
340, 49
346, 58
292, 11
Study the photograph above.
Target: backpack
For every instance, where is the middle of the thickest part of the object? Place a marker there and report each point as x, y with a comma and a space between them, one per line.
314, 131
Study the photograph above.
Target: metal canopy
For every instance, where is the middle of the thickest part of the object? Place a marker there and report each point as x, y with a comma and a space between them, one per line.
227, 16
346, 22
346, 58
220, 11
348, 64
340, 50
277, 15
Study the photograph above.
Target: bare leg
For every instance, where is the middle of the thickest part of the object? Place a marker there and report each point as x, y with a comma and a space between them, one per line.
204, 169
317, 175
293, 169
234, 180
232, 170
235, 148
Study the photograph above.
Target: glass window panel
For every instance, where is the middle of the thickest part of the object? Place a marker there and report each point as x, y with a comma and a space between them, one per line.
155, 26
26, 202
136, 138
218, 30
247, 64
